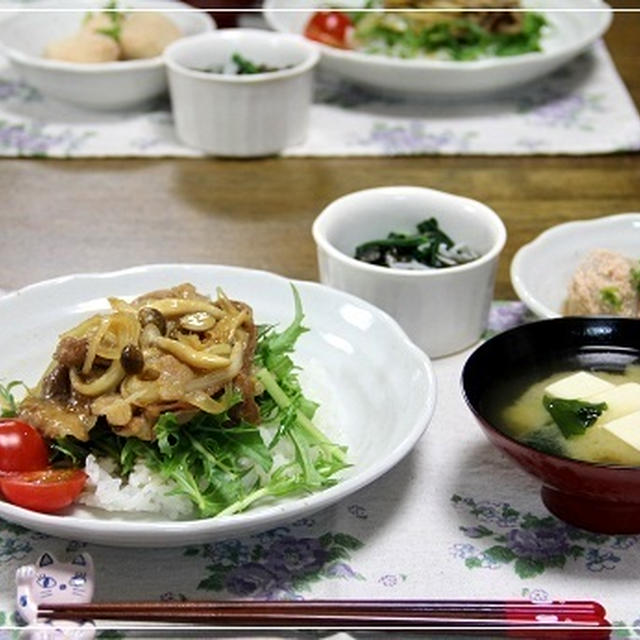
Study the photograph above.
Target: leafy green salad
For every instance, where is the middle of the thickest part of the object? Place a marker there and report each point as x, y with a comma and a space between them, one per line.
457, 38
405, 29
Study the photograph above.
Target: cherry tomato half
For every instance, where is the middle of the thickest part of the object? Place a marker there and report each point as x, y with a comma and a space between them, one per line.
330, 27
22, 448
47, 490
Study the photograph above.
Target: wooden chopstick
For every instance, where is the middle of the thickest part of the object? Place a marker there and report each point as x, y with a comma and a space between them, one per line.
445, 614
490, 608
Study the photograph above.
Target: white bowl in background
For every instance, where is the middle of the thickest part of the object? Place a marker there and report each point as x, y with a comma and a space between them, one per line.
542, 269
241, 115
442, 310
103, 86
573, 27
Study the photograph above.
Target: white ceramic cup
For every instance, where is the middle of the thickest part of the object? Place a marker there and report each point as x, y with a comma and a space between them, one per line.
241, 115
442, 310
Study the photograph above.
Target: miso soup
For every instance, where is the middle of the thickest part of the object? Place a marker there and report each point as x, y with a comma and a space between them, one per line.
612, 437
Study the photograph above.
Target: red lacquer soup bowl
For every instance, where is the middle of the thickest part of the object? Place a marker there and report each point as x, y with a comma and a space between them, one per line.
597, 497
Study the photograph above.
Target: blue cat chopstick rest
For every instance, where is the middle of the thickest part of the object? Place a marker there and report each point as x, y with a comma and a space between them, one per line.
50, 581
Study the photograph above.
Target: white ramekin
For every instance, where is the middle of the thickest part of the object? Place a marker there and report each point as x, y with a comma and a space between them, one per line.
241, 115
442, 310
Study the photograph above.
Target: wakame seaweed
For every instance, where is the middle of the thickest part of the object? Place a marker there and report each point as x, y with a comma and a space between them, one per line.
573, 417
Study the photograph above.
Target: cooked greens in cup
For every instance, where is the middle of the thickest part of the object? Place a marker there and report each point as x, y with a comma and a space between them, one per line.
428, 248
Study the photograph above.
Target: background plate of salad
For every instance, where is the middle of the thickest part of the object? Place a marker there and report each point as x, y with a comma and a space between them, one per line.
455, 59
375, 391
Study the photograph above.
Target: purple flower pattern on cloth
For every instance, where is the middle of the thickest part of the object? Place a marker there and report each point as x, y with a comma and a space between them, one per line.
250, 579
290, 555
539, 543
341, 570
232, 552
529, 543
391, 579
563, 111
17, 90
563, 102
358, 511
536, 595
35, 140
415, 136
277, 564
463, 550
13, 549
569, 111
506, 315
598, 560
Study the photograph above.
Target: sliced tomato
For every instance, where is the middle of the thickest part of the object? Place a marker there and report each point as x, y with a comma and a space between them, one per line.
330, 27
47, 490
22, 448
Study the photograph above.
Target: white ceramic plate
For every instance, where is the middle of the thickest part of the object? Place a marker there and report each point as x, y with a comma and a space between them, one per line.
570, 32
101, 86
377, 400
541, 270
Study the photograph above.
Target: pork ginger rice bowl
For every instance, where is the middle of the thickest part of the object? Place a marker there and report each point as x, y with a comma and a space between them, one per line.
177, 403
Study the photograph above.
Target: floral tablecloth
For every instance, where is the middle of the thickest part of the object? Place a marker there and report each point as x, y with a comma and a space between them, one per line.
455, 519
582, 108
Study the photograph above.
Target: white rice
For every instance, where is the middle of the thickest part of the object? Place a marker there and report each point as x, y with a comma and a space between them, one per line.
148, 492
317, 385
142, 491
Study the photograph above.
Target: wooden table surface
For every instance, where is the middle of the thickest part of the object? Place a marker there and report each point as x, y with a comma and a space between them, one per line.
67, 216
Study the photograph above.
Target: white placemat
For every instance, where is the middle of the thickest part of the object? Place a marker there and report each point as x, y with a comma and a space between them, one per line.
569, 112
455, 519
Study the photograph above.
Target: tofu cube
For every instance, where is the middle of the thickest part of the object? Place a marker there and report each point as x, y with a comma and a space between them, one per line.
579, 385
601, 445
622, 400
626, 431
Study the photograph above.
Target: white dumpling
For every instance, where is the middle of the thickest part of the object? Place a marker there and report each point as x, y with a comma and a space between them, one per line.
146, 34
85, 47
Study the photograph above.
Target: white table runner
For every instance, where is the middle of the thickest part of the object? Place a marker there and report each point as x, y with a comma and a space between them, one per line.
583, 108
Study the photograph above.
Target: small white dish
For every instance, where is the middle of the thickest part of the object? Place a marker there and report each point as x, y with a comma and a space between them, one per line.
542, 269
103, 86
241, 115
572, 28
378, 416
442, 310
